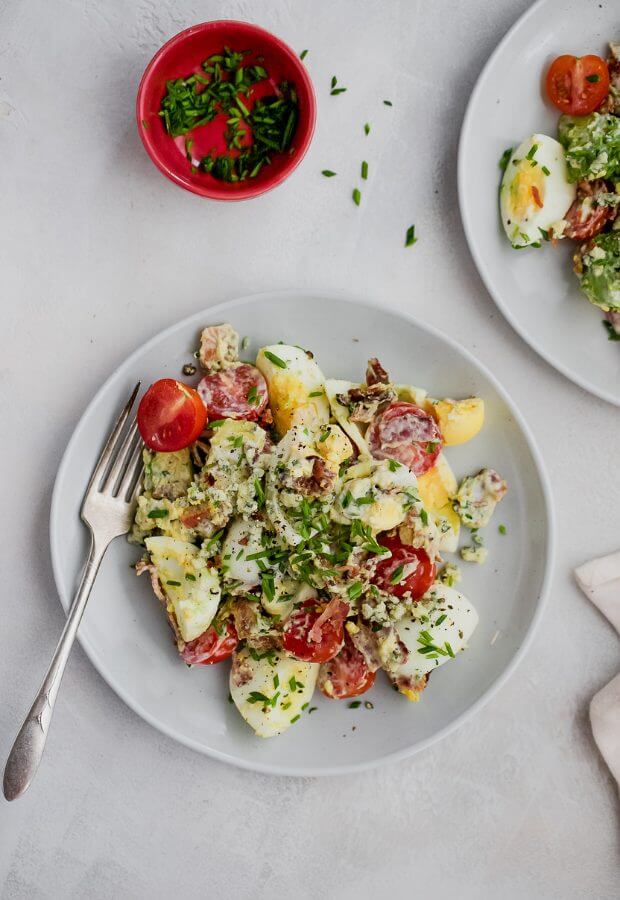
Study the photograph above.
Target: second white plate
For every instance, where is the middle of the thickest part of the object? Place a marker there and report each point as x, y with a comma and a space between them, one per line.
535, 289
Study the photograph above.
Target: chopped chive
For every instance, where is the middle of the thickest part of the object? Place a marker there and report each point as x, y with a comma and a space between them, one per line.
593, 78
303, 54
312, 709
252, 396
354, 704
157, 514
502, 529
441, 619
336, 91
410, 238
355, 590
174, 583
424, 516
334, 81
449, 649
364, 170
294, 719
328, 173
388, 103
357, 197
545, 170
397, 574
316, 394
393, 465
275, 359
531, 152
190, 577
367, 128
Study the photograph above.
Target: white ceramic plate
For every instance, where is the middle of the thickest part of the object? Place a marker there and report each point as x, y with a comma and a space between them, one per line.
535, 289
128, 640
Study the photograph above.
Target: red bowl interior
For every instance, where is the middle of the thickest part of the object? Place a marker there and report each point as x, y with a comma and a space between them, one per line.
183, 55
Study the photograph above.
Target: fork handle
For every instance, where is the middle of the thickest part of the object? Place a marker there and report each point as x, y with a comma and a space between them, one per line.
27, 750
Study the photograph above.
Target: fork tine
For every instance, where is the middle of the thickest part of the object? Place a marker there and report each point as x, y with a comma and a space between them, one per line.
133, 471
119, 463
110, 445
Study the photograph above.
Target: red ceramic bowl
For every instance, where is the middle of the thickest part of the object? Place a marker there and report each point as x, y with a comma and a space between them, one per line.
184, 54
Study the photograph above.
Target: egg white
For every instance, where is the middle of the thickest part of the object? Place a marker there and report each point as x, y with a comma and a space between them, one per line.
290, 387
243, 539
193, 592
456, 629
393, 492
271, 676
333, 387
535, 193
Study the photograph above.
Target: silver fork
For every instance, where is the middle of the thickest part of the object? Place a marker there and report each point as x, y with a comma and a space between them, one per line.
107, 509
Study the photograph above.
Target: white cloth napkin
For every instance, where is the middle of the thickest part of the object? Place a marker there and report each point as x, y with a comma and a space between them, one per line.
599, 579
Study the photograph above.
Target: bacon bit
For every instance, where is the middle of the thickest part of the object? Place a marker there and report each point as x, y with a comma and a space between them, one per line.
192, 517
536, 196
335, 609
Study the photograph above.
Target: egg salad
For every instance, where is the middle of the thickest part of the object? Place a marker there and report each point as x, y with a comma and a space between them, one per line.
570, 187
298, 526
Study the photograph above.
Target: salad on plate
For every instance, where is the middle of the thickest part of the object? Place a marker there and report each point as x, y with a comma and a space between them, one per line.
299, 526
569, 188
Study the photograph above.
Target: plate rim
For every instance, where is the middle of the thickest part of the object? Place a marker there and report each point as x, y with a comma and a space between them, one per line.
504, 308
310, 771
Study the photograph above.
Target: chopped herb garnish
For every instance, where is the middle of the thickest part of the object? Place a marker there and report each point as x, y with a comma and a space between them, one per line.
387, 103
612, 334
424, 516
275, 359
328, 173
355, 590
441, 619
449, 649
531, 152
505, 158
545, 170
303, 54
357, 197
190, 577
157, 514
294, 719
393, 465
174, 583
502, 529
316, 394
410, 238
367, 128
252, 396
244, 343
397, 574
312, 709
354, 704
593, 78
364, 170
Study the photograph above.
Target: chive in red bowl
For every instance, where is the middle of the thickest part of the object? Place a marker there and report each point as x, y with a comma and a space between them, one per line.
275, 91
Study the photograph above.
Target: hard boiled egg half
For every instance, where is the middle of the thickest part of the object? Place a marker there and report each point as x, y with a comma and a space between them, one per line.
270, 689
296, 387
535, 193
193, 592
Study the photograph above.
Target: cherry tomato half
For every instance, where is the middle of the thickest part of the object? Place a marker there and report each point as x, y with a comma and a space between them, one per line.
171, 416
210, 647
298, 640
406, 433
347, 674
577, 85
407, 571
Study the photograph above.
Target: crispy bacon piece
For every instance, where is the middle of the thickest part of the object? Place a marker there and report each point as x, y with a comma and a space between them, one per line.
249, 623
365, 401
586, 218
336, 609
241, 671
375, 373
319, 483
219, 348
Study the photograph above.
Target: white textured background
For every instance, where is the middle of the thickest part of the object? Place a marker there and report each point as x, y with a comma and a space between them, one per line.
97, 252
